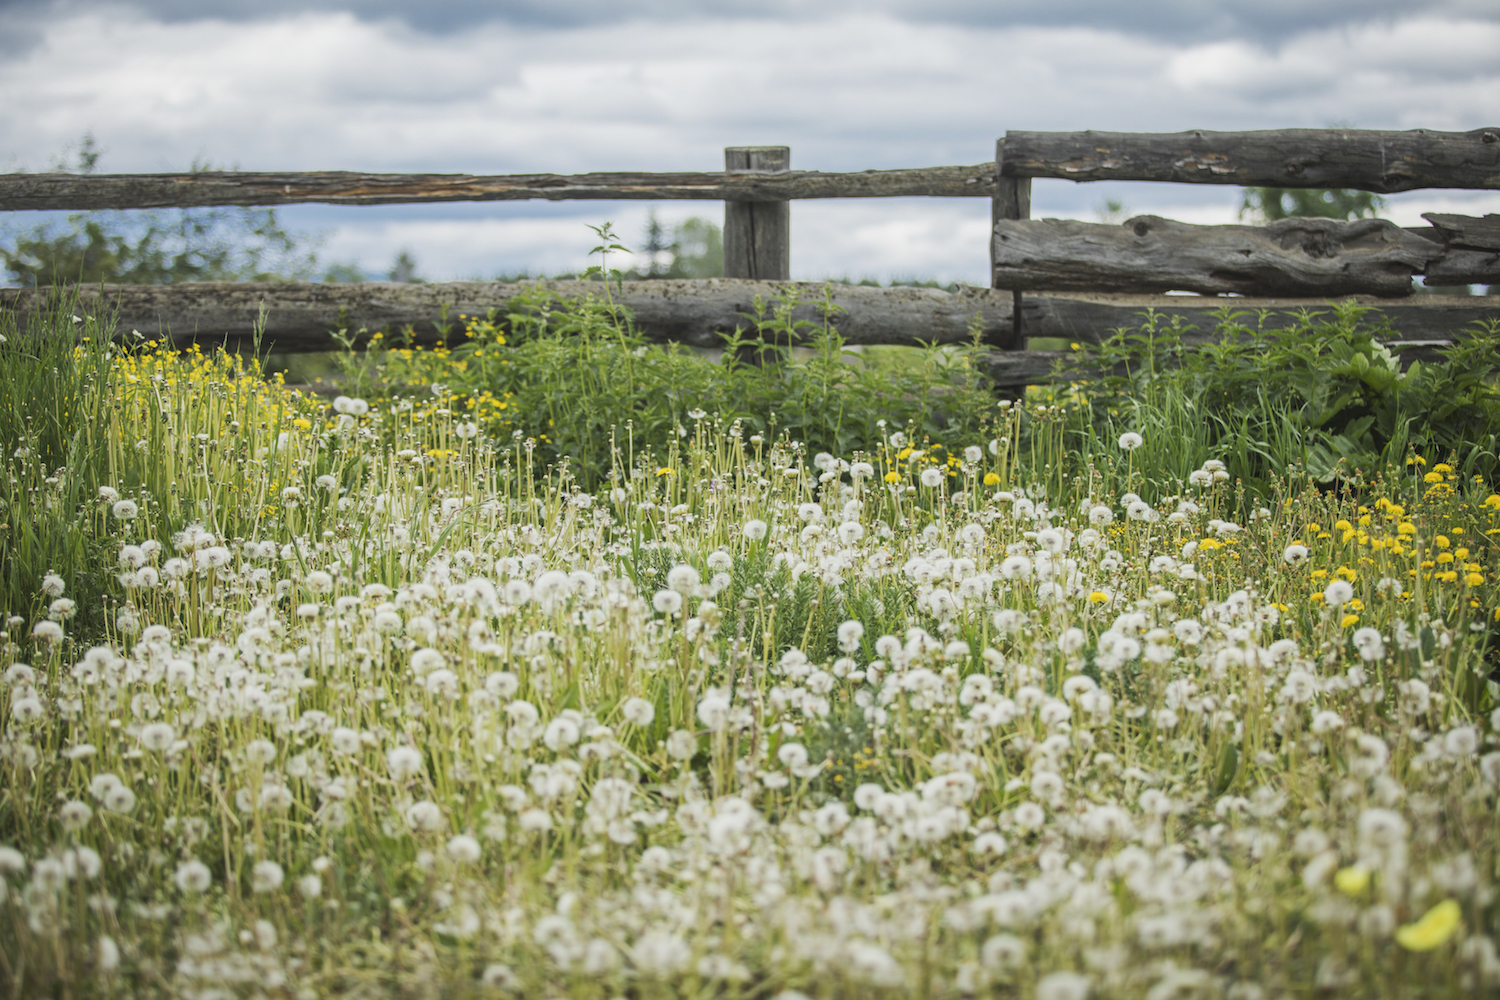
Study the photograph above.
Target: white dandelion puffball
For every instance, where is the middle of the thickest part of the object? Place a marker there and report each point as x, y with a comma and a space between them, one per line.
193, 876
1338, 593
424, 816
683, 578
932, 477
158, 736
755, 529
464, 849
850, 633
266, 876
560, 734
1130, 441
638, 711
404, 762
681, 745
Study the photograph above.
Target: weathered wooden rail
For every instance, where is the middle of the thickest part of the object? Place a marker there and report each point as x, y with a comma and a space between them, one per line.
1284, 267
698, 313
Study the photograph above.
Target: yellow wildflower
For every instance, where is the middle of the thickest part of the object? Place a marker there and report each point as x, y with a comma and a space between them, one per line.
1436, 926
1352, 880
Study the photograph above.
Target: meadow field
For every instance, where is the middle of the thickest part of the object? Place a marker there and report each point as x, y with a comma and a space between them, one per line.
555, 664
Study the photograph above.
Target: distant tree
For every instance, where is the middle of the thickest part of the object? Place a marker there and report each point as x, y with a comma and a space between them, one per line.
1273, 204
656, 247
148, 248
404, 269
697, 250
344, 274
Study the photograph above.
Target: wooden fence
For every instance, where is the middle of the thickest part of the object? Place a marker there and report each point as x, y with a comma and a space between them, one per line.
1093, 277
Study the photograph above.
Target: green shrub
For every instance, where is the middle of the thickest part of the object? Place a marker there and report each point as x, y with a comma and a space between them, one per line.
578, 379
1322, 396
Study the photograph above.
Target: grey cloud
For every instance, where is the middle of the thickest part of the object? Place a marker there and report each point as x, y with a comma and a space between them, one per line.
1264, 21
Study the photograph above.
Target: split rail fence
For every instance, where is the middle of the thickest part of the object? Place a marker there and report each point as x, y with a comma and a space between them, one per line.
1050, 278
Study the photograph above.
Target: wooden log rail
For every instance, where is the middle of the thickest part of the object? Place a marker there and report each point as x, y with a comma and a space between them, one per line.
1308, 257
75, 192
699, 312
1369, 160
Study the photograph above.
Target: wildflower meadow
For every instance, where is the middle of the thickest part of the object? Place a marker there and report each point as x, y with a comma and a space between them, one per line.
424, 691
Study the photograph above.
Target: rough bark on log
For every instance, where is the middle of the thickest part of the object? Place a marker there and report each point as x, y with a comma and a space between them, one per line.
100, 191
691, 312
1017, 369
1471, 250
1467, 232
1312, 257
695, 312
1296, 157
1088, 318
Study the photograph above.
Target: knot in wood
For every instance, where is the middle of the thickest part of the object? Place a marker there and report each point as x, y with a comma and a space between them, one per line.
1490, 137
1141, 227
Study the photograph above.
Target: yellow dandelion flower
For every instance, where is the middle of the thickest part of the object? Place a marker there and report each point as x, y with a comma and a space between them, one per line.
1348, 620
1436, 926
1352, 880
992, 479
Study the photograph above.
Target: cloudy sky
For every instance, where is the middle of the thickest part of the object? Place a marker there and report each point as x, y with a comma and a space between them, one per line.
541, 85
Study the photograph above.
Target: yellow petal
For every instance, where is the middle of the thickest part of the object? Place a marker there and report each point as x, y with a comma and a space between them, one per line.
1352, 880
1436, 926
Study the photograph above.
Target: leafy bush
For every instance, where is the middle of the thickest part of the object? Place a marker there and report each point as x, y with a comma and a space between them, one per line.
1322, 395
581, 382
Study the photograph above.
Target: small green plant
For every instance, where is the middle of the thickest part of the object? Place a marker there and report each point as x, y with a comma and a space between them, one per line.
580, 381
1322, 395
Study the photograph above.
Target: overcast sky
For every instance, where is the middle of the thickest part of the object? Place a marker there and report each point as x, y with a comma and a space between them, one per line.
539, 85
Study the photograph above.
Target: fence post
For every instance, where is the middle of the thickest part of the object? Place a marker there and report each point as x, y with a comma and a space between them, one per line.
758, 234
1012, 201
